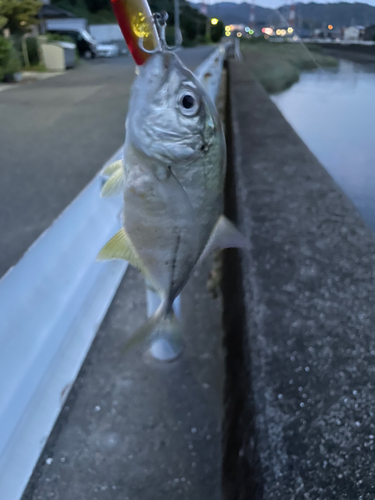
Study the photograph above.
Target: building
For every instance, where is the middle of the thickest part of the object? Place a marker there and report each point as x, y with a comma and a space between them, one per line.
369, 33
353, 33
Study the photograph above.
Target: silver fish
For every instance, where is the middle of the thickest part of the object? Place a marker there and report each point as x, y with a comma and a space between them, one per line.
172, 178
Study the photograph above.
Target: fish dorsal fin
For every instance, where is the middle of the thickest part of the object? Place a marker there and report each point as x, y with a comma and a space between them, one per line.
223, 235
114, 184
120, 247
112, 167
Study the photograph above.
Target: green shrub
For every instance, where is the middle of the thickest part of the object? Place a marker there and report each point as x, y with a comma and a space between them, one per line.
32, 50
13, 64
56, 37
9, 59
31, 47
5, 48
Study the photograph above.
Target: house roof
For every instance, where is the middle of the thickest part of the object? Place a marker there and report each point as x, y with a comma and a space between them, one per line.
53, 12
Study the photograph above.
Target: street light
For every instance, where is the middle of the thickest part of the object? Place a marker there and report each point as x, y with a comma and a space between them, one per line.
214, 21
330, 27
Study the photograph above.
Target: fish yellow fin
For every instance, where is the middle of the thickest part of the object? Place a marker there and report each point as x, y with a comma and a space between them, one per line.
112, 167
114, 184
120, 247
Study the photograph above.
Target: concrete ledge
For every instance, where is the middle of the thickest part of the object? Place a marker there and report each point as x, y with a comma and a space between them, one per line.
303, 381
136, 430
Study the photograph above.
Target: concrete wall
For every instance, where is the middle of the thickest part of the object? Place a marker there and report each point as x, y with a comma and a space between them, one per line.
299, 318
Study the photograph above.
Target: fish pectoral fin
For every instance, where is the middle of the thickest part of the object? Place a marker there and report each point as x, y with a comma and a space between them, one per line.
223, 235
114, 184
112, 168
120, 247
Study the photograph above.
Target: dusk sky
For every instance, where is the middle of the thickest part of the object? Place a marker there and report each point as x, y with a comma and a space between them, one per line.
275, 3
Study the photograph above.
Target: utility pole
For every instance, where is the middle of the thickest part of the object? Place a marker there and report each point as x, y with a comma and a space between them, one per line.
252, 16
292, 14
204, 10
177, 33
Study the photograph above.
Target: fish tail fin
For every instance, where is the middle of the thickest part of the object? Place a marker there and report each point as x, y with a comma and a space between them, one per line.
163, 324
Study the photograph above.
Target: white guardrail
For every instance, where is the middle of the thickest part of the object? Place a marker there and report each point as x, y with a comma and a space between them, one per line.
51, 306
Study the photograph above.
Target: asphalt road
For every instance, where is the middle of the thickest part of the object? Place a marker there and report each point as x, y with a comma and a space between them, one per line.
54, 137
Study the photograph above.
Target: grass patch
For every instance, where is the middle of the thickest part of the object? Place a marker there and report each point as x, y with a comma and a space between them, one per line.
277, 66
35, 67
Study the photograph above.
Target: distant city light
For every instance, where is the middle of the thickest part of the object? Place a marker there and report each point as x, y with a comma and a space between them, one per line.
278, 32
228, 28
283, 32
214, 21
227, 33
247, 29
251, 32
330, 27
290, 30
239, 35
267, 31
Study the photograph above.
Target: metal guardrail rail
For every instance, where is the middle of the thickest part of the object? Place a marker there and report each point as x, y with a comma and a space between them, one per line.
52, 304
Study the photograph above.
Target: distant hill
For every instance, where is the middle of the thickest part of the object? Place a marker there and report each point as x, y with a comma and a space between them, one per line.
234, 13
310, 15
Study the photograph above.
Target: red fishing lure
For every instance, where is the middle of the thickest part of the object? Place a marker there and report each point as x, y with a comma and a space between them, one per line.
135, 20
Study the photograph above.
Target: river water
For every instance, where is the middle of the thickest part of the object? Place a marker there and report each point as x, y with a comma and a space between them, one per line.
333, 111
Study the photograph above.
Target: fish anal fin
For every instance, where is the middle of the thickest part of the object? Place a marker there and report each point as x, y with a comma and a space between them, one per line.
224, 235
114, 184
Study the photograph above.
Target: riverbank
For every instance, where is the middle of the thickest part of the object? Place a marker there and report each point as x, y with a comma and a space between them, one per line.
277, 66
362, 54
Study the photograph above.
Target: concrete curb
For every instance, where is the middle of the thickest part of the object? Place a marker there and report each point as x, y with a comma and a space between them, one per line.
305, 428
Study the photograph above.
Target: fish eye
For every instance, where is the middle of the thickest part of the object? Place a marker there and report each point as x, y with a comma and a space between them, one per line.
188, 103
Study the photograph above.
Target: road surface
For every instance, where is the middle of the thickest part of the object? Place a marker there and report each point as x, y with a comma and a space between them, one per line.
54, 137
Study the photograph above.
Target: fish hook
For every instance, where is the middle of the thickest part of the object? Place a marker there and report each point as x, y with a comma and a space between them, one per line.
160, 20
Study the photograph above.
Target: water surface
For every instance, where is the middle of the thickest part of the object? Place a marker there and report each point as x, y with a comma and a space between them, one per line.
334, 113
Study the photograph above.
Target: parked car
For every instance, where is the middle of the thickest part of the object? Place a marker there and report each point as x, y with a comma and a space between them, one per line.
107, 49
86, 44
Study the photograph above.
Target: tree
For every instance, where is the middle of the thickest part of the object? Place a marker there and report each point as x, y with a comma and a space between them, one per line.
18, 15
